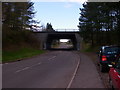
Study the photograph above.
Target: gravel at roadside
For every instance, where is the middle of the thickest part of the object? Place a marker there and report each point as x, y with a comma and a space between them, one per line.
104, 76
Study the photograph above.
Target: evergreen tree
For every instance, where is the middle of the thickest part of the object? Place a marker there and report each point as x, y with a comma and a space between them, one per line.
99, 22
49, 27
17, 15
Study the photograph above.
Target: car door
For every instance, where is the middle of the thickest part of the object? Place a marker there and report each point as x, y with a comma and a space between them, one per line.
119, 81
117, 73
114, 78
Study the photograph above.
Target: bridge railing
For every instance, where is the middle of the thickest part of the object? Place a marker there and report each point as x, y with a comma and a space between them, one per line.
59, 30
67, 30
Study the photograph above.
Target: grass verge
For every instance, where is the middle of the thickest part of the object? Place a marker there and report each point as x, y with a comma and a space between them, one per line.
8, 56
86, 47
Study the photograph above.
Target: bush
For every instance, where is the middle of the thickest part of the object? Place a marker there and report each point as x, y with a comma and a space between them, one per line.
15, 39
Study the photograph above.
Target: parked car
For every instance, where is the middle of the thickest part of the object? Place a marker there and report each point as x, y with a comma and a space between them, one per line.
107, 54
114, 75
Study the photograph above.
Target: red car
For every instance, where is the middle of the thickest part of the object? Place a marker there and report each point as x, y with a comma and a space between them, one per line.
114, 75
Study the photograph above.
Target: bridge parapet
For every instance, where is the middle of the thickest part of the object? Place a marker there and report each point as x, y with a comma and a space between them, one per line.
59, 31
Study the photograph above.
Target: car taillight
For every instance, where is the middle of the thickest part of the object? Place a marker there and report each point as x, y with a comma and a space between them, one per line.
104, 58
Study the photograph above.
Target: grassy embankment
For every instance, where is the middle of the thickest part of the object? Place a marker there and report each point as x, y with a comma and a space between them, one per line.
86, 47
19, 45
20, 54
91, 52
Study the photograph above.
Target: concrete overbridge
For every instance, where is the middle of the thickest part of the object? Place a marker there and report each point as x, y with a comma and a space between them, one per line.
46, 37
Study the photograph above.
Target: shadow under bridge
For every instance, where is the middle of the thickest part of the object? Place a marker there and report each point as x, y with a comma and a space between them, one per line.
74, 37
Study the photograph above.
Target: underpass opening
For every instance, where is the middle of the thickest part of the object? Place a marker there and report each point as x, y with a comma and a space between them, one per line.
53, 42
62, 45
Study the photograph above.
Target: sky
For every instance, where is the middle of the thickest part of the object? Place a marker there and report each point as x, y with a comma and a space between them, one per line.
61, 15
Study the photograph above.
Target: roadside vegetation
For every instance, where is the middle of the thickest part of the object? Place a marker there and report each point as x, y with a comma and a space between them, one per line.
99, 23
20, 54
86, 47
17, 41
19, 44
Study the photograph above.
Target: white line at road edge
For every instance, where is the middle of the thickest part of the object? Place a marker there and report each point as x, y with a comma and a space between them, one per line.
74, 74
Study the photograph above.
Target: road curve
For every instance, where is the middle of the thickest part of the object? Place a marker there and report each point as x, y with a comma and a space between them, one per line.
55, 69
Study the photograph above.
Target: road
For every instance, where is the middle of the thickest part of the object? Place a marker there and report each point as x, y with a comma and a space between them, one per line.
55, 69
64, 45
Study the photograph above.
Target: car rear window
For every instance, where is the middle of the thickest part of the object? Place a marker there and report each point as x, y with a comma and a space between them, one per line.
112, 50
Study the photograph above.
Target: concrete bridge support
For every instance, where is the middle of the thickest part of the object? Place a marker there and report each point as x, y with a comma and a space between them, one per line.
42, 37
78, 39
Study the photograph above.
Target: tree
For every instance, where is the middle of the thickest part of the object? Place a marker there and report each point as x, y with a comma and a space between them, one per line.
49, 27
99, 21
17, 15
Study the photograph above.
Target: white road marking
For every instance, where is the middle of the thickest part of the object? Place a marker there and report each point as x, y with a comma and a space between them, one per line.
52, 58
27, 67
22, 69
18, 71
39, 63
35, 64
70, 83
6, 63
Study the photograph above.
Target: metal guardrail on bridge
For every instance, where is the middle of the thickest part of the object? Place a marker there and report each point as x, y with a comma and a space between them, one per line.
67, 30
58, 30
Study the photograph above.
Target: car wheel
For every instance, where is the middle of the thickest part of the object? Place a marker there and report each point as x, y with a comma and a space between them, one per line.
111, 84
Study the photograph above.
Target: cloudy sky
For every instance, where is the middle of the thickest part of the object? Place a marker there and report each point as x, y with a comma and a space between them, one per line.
63, 14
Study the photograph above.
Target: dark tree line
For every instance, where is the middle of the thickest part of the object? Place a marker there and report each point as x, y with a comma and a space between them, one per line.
17, 15
99, 23
16, 18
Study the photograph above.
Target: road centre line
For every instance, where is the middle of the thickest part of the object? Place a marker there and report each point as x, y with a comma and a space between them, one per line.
33, 65
27, 67
52, 57
36, 64
22, 69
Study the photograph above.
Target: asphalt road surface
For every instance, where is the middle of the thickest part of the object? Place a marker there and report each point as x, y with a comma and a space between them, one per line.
55, 69
64, 45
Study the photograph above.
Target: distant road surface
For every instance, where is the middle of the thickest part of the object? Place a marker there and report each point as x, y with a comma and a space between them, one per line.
55, 69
